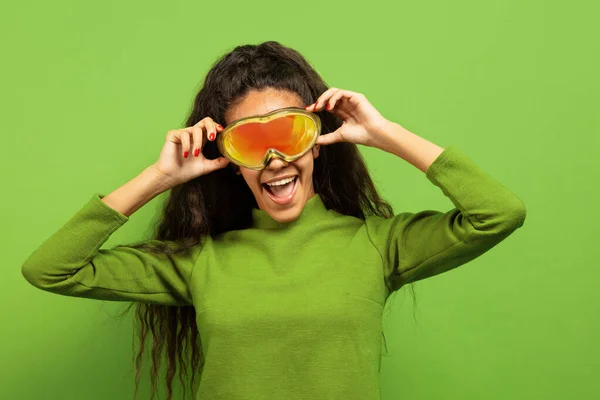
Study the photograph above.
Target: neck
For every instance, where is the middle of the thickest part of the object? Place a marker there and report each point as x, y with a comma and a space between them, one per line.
313, 210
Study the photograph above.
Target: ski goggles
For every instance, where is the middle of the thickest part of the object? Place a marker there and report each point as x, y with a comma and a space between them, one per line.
287, 133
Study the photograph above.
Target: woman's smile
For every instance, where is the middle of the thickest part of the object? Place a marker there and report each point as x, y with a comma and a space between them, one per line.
282, 191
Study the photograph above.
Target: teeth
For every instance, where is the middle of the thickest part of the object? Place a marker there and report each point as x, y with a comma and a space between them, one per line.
281, 182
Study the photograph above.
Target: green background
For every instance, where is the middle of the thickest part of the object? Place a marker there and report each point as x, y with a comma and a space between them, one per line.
89, 90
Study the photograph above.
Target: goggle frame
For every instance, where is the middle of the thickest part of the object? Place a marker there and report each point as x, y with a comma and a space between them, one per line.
270, 153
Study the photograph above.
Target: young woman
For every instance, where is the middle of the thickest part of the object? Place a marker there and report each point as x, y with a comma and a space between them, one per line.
274, 245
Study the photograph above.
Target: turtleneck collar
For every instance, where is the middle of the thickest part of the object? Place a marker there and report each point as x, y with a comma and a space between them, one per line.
313, 210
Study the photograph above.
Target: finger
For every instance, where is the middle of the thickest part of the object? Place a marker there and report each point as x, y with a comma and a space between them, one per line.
322, 98
340, 111
203, 121
324, 101
338, 99
198, 135
211, 130
329, 138
334, 99
353, 98
184, 137
174, 136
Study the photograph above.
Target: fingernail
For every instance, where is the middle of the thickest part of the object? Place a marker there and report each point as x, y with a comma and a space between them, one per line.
196, 152
328, 106
219, 126
185, 154
211, 136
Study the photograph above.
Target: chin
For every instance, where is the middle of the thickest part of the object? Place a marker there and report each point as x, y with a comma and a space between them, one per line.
287, 215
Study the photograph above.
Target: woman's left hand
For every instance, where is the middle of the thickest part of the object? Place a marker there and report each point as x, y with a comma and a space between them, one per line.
361, 121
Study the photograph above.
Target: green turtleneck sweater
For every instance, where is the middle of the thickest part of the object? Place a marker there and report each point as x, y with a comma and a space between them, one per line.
292, 310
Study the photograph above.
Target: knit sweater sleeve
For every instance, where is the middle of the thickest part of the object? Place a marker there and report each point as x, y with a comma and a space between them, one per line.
71, 263
415, 246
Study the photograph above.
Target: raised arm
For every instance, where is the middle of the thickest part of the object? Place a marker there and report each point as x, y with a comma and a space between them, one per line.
71, 262
415, 246
418, 245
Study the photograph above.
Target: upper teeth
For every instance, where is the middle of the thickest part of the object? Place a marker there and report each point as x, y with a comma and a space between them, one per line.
281, 182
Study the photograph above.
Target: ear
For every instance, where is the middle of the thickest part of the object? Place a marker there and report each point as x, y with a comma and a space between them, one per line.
315, 151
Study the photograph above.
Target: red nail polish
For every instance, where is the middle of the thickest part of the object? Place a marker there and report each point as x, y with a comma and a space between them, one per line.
329, 106
211, 136
185, 154
219, 126
196, 152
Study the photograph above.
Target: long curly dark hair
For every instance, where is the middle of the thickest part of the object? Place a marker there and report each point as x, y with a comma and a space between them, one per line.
221, 200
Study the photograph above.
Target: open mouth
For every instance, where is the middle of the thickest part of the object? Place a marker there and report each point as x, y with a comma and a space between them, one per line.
283, 191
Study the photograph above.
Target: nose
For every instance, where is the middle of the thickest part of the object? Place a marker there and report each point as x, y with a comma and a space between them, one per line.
276, 163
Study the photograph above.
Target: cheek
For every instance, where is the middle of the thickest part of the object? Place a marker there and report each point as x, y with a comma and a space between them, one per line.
307, 167
251, 177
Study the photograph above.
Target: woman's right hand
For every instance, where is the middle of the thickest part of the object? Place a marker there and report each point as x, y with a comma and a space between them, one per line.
173, 163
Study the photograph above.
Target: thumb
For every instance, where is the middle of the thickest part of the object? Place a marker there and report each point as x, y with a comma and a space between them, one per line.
217, 163
329, 138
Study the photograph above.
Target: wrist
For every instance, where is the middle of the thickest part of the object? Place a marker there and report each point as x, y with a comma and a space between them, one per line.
159, 181
386, 135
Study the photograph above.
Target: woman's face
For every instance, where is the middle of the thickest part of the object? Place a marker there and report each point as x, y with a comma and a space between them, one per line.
283, 202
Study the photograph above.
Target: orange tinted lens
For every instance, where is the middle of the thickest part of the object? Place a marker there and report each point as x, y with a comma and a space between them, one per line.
290, 134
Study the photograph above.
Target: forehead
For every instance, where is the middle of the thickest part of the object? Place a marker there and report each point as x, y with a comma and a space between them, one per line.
262, 102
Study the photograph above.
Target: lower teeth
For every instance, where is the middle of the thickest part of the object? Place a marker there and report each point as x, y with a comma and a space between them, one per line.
278, 190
